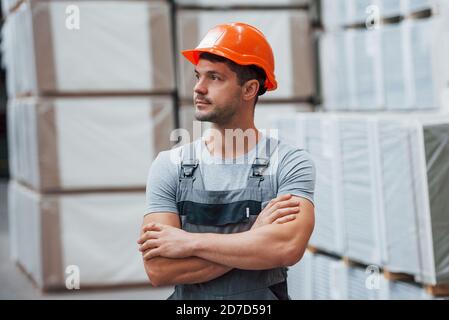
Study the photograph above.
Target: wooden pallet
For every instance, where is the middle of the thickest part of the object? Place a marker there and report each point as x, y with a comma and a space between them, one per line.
439, 290
397, 276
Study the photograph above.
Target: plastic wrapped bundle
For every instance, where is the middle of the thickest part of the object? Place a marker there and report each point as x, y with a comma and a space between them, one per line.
90, 235
411, 6
334, 70
253, 3
47, 51
399, 211
393, 67
300, 278
395, 290
365, 70
426, 46
321, 140
360, 10
360, 190
288, 32
430, 150
334, 14
390, 8
87, 143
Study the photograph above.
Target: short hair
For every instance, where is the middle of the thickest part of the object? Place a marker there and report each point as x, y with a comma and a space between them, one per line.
244, 72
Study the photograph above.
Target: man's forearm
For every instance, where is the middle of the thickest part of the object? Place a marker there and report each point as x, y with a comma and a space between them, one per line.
258, 249
165, 271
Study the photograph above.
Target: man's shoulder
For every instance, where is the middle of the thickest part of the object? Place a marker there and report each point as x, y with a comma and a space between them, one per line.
173, 157
290, 152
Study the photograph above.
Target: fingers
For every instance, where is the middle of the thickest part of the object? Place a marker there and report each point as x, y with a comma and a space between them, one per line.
285, 219
152, 226
278, 199
147, 236
284, 204
284, 212
152, 253
149, 244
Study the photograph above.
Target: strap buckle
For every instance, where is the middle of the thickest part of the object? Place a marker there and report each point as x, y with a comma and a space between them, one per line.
188, 167
259, 165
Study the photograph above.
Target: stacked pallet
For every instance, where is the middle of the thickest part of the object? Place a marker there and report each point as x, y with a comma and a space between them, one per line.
380, 190
90, 105
384, 55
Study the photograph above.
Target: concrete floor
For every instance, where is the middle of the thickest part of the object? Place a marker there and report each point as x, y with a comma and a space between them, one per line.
14, 284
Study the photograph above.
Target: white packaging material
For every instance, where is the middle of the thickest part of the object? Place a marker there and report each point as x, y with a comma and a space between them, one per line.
334, 14
402, 253
49, 50
364, 61
390, 8
411, 6
360, 190
252, 3
87, 143
393, 67
362, 11
334, 70
90, 235
426, 45
300, 278
321, 140
288, 32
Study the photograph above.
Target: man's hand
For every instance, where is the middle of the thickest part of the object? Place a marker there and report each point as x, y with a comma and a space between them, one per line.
282, 209
159, 240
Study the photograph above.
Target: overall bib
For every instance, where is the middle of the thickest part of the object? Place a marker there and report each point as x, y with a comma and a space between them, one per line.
203, 211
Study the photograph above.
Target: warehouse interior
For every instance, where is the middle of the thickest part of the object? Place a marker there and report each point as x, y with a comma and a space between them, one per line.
90, 92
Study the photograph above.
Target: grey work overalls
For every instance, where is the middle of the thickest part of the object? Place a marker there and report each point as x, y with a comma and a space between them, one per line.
230, 211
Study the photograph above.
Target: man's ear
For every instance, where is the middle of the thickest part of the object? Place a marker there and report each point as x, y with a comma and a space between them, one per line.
250, 89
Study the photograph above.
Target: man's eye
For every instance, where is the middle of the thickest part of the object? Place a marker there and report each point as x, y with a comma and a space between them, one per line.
214, 77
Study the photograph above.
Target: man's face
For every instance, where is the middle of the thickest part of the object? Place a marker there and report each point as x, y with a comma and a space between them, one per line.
217, 94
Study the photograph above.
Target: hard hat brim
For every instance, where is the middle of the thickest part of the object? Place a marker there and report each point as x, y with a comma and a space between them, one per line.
194, 55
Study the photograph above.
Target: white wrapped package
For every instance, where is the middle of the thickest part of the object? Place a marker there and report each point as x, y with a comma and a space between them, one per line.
93, 235
360, 190
426, 44
334, 70
390, 8
396, 290
393, 67
288, 32
321, 140
47, 51
252, 3
411, 6
312, 278
300, 278
87, 143
334, 14
360, 11
364, 70
398, 195
430, 149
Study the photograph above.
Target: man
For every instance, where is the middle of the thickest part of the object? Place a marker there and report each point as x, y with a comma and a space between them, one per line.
225, 220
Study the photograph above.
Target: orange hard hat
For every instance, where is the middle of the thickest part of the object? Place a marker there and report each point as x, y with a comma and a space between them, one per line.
241, 43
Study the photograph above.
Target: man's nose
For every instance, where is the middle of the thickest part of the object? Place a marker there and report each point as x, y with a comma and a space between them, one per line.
200, 88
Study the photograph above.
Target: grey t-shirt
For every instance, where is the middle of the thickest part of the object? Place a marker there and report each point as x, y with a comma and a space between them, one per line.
291, 170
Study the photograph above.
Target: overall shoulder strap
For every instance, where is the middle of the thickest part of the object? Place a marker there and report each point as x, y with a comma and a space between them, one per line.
189, 162
263, 155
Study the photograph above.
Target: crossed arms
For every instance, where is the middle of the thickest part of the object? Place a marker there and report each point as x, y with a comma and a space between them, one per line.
278, 238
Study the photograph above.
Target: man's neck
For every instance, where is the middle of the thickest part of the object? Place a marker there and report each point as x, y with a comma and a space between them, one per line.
232, 142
